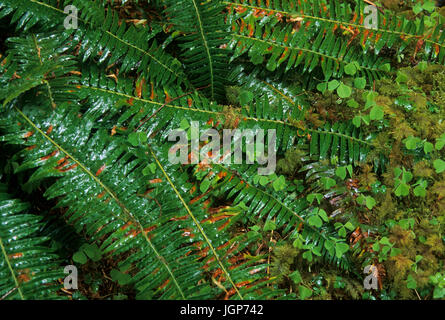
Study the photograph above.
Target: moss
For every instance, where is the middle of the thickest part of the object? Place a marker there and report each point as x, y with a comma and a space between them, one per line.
292, 161
432, 251
395, 5
387, 87
328, 107
386, 208
350, 288
232, 95
435, 243
423, 169
283, 261
232, 117
438, 196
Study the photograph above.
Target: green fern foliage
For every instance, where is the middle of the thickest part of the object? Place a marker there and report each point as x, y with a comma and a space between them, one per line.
287, 45
86, 122
341, 141
28, 269
322, 16
38, 62
125, 224
289, 212
204, 35
104, 36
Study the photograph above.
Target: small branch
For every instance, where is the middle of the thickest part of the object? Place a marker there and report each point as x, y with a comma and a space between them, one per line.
105, 276
418, 296
8, 293
373, 4
268, 256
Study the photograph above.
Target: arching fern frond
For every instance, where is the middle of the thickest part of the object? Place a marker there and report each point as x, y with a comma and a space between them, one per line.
28, 269
342, 141
202, 24
124, 207
129, 103
392, 29
282, 45
103, 36
38, 61
263, 84
288, 210
131, 106
29, 13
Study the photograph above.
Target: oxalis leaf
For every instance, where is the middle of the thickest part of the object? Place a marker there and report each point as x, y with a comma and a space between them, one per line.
439, 165
340, 249
304, 292
376, 113
315, 221
402, 189
344, 91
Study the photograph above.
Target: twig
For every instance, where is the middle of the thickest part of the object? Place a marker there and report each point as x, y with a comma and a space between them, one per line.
8, 293
373, 4
66, 291
418, 296
105, 276
270, 250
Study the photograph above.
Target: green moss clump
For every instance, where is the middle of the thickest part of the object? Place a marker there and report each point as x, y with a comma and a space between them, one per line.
292, 161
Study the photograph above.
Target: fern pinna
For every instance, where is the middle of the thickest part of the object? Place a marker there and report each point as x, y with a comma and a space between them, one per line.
88, 112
